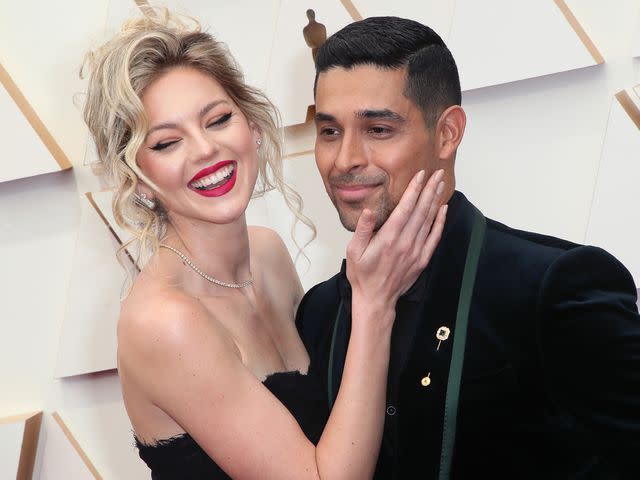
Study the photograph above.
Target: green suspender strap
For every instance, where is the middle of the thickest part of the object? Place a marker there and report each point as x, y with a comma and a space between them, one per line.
459, 342
333, 344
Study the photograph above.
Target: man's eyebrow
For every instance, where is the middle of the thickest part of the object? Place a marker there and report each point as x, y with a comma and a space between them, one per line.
324, 117
384, 113
203, 111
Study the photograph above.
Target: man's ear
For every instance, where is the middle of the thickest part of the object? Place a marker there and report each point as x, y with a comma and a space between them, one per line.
450, 130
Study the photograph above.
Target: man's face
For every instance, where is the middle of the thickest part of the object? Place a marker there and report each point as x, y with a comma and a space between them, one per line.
370, 140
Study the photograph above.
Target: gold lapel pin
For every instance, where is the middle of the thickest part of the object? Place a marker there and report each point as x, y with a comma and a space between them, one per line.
442, 334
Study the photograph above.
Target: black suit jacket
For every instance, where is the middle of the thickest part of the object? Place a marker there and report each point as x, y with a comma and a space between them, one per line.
551, 378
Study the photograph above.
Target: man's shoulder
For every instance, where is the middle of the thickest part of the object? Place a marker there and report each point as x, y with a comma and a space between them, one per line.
505, 236
500, 237
545, 256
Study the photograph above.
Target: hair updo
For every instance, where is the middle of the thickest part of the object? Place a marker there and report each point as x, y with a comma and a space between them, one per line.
119, 72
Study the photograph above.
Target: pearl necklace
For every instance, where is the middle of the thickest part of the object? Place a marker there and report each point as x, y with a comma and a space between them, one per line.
204, 275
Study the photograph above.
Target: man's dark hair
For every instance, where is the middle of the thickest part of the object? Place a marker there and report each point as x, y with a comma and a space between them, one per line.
432, 83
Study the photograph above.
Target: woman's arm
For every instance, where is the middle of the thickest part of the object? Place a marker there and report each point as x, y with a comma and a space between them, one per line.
185, 361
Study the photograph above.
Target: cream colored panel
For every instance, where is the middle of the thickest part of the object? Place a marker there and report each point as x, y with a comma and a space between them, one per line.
436, 14
101, 202
291, 72
42, 45
95, 413
246, 26
24, 152
635, 49
118, 11
19, 440
529, 157
616, 196
88, 335
299, 139
500, 41
11, 440
328, 249
63, 457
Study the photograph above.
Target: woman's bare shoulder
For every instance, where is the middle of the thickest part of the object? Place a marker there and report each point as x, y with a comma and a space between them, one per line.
266, 241
156, 321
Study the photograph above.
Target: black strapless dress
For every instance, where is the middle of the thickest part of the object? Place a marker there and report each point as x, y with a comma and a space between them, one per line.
182, 458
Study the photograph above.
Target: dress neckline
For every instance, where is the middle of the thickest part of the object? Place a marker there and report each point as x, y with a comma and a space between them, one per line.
184, 436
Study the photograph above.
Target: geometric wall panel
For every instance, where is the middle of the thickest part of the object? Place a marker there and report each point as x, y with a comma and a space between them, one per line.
88, 336
299, 139
437, 14
64, 457
500, 41
102, 205
635, 48
28, 147
613, 224
222, 18
19, 440
291, 71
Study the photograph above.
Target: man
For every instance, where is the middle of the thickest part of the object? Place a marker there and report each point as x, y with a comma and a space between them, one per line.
514, 355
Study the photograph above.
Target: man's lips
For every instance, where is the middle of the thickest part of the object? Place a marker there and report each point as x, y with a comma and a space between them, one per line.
354, 192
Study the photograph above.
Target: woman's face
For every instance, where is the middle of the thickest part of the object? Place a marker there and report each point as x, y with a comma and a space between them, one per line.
200, 150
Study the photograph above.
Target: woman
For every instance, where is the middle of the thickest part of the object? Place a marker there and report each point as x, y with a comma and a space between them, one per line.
213, 373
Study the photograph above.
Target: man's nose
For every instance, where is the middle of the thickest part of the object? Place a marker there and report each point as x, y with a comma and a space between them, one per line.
351, 155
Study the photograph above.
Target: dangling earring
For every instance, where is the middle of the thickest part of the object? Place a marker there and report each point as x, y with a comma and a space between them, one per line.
143, 200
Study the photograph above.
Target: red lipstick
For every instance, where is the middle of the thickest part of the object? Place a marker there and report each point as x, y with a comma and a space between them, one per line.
225, 186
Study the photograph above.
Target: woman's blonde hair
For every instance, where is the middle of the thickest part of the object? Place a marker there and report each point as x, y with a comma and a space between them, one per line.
121, 70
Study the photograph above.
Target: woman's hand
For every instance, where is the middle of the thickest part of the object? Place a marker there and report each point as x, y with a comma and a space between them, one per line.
382, 266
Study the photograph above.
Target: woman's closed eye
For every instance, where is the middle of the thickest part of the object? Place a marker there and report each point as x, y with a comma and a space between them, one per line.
216, 123
221, 120
162, 145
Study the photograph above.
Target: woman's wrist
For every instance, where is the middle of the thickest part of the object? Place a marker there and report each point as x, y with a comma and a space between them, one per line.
372, 312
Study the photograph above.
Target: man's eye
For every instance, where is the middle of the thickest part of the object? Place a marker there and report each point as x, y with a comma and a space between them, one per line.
328, 131
222, 120
378, 130
162, 145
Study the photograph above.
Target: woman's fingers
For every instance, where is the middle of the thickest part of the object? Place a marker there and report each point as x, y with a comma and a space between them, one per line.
434, 236
362, 235
402, 212
426, 208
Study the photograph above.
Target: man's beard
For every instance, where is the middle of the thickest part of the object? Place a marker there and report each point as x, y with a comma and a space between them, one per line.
347, 213
381, 210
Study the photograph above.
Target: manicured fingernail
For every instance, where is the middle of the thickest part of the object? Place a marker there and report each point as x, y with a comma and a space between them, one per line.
441, 173
420, 177
440, 188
